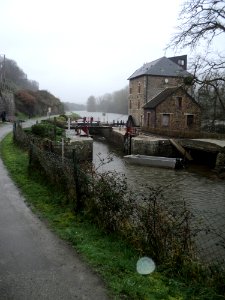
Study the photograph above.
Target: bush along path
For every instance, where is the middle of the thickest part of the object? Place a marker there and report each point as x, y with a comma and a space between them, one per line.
108, 255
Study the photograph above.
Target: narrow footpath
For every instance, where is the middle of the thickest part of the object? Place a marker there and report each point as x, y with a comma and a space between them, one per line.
34, 263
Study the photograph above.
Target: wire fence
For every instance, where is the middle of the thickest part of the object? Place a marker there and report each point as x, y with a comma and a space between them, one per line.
210, 240
154, 225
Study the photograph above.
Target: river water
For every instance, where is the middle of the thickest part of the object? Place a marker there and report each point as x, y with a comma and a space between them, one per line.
198, 186
103, 117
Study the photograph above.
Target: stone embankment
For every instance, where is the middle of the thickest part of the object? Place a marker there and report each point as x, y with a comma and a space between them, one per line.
205, 151
83, 146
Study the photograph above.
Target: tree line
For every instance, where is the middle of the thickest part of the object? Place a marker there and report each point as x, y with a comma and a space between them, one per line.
116, 102
14, 77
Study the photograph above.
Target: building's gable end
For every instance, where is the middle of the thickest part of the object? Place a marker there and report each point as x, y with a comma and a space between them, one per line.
192, 99
173, 109
162, 96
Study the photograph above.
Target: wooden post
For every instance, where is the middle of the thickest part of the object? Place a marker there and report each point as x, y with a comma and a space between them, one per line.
76, 179
63, 150
69, 124
181, 149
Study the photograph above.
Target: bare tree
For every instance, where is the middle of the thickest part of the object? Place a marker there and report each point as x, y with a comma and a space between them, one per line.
203, 20
200, 19
210, 74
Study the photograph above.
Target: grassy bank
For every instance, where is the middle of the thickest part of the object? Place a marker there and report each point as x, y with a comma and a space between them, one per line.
111, 257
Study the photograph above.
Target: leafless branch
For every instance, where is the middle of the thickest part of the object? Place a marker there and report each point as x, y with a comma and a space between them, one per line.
199, 20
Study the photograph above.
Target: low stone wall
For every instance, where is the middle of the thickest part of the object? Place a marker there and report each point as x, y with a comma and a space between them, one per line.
220, 161
158, 147
83, 146
83, 150
117, 137
163, 147
155, 148
114, 136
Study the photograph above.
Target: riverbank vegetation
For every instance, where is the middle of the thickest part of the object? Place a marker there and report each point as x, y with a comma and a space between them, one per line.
92, 227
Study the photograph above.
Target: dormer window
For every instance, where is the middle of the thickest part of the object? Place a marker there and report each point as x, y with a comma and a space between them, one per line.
181, 62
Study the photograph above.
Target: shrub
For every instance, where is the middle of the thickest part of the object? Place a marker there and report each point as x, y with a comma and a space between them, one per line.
47, 130
106, 204
162, 227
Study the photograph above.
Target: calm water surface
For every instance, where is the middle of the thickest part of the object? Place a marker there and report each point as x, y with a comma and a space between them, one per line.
103, 117
203, 192
198, 186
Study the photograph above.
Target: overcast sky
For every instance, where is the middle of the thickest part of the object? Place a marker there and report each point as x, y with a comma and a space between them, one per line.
75, 49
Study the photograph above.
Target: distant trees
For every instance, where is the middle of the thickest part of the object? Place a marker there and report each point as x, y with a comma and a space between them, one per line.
117, 102
15, 76
69, 106
202, 21
91, 104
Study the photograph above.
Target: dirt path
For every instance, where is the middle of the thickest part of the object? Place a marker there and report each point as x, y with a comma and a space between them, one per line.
34, 263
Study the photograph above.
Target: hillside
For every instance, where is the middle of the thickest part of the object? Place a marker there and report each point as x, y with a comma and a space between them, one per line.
18, 94
34, 103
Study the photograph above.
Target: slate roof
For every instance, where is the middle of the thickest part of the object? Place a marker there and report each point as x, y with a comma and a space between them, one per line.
161, 67
163, 96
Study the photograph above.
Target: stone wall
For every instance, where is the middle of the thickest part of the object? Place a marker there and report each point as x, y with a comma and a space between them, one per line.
83, 146
114, 137
142, 89
83, 149
220, 161
208, 152
155, 148
178, 115
136, 100
140, 145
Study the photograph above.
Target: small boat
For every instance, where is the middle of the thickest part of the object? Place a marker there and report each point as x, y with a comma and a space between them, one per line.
155, 161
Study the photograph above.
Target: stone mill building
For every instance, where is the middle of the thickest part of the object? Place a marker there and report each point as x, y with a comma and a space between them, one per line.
159, 96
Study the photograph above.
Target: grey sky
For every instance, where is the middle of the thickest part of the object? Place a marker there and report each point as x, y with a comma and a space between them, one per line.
75, 49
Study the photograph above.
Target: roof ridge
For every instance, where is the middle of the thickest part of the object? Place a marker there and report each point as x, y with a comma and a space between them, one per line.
162, 66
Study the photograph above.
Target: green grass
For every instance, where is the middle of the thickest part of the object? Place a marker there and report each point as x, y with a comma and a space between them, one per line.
113, 259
